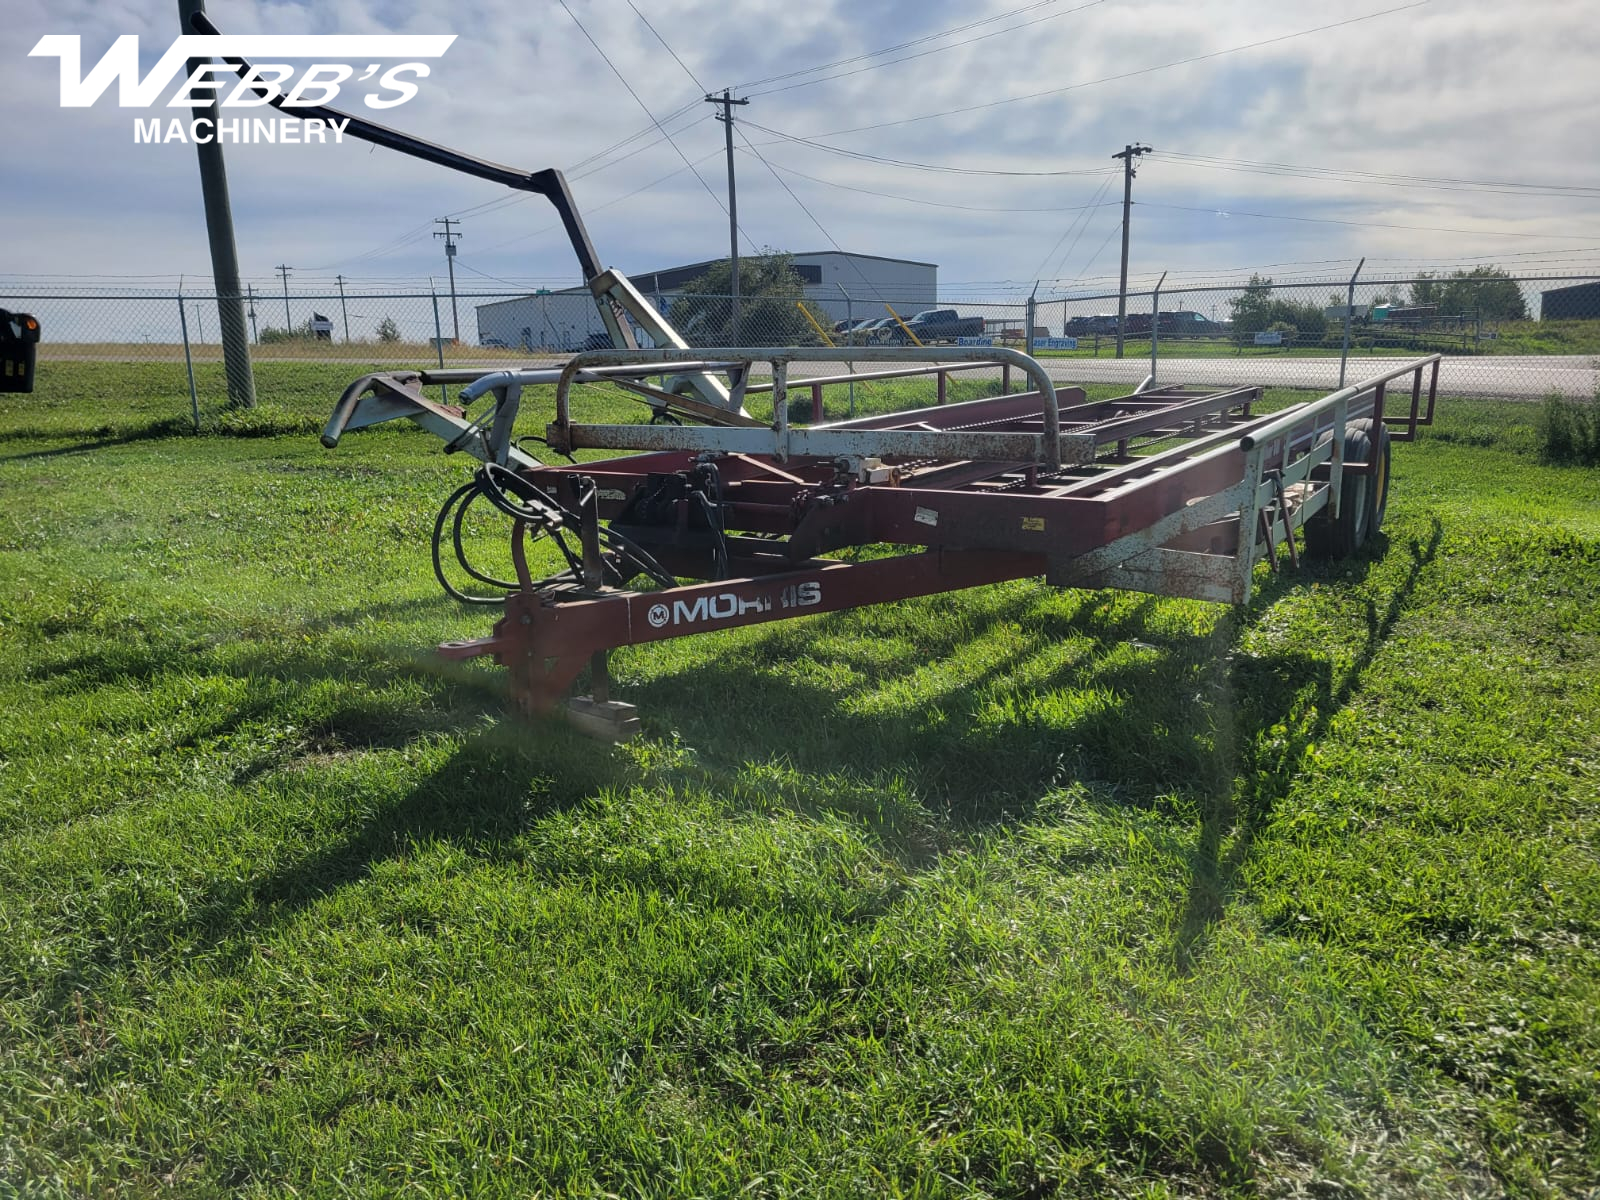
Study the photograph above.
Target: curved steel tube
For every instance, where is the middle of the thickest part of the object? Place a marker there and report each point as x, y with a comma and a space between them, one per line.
793, 354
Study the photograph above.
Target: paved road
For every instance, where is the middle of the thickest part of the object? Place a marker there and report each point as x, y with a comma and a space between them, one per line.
1521, 377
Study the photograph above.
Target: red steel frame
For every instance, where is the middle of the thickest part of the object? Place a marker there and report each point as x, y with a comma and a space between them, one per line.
1167, 521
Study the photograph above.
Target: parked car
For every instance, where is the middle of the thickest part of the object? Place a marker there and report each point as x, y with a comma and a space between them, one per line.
493, 343
1105, 323
940, 325
874, 333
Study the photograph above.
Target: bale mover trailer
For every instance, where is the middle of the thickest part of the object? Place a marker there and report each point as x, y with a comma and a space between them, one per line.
1169, 491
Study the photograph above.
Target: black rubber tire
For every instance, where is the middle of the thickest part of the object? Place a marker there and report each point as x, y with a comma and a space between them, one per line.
1332, 539
1380, 489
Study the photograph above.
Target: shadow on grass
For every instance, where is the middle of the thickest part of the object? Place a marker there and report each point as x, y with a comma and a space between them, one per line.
1039, 694
1285, 705
103, 437
139, 656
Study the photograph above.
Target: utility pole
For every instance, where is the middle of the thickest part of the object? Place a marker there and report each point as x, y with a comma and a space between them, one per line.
219, 232
449, 235
1129, 153
288, 321
342, 311
726, 103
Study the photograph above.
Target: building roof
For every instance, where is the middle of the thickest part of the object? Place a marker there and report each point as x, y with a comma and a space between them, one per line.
669, 278
1574, 290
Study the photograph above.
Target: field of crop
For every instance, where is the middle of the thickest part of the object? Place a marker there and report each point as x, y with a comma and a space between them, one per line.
1011, 893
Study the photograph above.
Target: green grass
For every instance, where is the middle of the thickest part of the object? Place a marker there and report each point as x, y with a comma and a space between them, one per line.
1012, 892
1548, 337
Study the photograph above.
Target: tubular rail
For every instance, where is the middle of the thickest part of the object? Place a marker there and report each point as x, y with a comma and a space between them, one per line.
783, 442
1292, 418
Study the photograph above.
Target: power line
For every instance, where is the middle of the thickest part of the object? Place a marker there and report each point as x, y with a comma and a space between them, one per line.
1095, 257
632, 137
843, 62
922, 166
924, 53
636, 99
1385, 179
750, 146
692, 76
1233, 212
585, 171
916, 200
592, 209
1071, 87
1079, 222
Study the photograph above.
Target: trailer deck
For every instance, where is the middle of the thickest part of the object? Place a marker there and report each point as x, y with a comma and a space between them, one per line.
1168, 490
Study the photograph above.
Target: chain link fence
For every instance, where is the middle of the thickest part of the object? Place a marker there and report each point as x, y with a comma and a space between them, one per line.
160, 353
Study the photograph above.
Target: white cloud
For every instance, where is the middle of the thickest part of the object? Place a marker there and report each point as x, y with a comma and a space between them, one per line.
1471, 89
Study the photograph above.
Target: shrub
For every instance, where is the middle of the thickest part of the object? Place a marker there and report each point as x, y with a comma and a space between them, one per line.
1569, 432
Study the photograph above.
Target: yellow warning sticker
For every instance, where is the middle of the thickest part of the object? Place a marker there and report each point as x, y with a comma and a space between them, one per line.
1033, 524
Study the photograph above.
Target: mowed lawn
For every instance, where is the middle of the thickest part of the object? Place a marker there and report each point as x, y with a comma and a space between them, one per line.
1011, 892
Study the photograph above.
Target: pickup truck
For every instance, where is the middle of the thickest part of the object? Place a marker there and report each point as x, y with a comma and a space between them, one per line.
938, 325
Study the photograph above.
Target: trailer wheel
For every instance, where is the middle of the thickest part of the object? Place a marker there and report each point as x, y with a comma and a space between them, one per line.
1380, 482
1362, 498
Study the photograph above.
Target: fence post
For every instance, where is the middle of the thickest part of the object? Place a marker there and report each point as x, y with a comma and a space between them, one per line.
1155, 327
1349, 303
1027, 337
438, 344
188, 361
850, 316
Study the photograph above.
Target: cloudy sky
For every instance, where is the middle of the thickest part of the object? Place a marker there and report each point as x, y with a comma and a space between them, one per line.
976, 135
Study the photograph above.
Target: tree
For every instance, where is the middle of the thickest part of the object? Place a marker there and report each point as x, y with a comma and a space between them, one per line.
1251, 310
1488, 292
769, 289
388, 331
1424, 289
1255, 310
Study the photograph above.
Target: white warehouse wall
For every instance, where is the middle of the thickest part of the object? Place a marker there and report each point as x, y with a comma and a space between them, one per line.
853, 286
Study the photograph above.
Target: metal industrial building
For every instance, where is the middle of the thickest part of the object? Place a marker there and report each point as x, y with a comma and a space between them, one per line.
1581, 302
838, 285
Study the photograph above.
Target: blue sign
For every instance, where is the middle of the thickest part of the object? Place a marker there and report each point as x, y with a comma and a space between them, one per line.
974, 341
1055, 343
1275, 338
